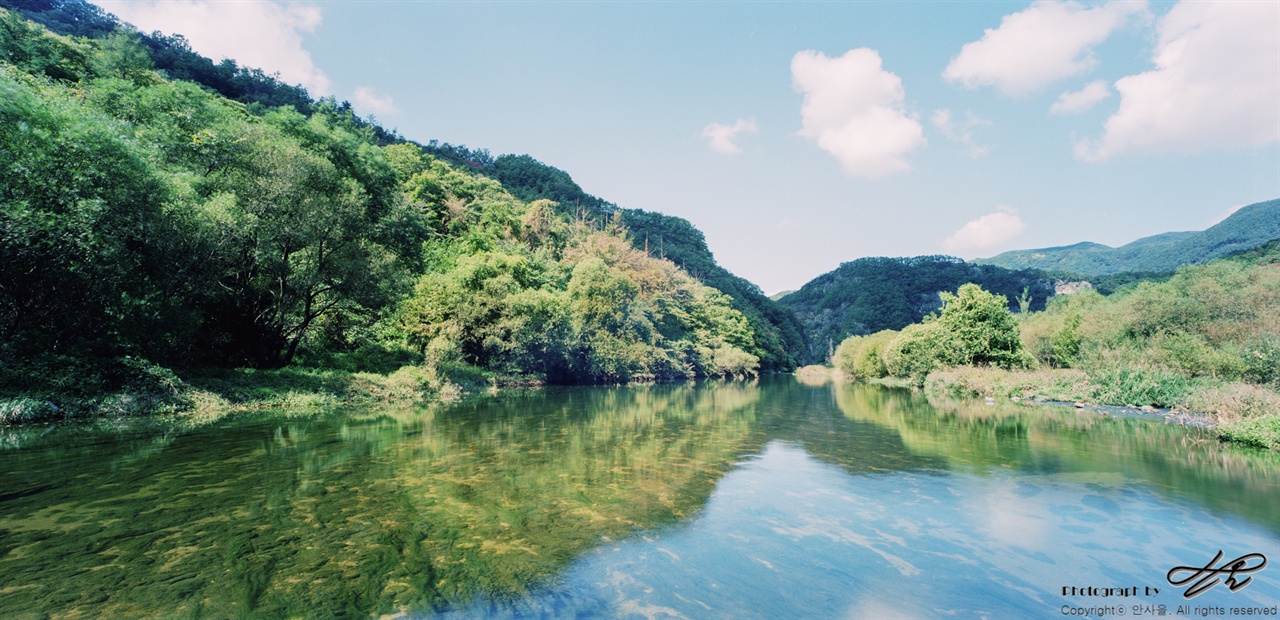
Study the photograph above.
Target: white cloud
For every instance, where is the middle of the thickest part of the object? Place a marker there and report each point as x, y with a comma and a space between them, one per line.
853, 109
985, 233
961, 132
1215, 85
721, 136
1078, 101
255, 33
367, 100
1038, 46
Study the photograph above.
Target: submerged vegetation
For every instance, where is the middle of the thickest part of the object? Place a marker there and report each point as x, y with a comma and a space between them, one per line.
1206, 340
280, 514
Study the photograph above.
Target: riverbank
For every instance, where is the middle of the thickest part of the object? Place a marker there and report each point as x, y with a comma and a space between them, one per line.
1238, 412
135, 388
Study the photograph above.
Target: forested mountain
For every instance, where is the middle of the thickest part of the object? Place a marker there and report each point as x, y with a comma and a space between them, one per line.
146, 219
873, 294
1247, 228
779, 336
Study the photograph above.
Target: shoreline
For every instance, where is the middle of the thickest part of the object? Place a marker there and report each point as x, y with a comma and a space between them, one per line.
1039, 387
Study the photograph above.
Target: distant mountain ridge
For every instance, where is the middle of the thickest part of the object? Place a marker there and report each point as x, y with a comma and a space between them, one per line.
867, 295
1247, 228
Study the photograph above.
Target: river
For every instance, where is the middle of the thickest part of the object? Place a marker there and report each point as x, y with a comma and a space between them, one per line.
768, 499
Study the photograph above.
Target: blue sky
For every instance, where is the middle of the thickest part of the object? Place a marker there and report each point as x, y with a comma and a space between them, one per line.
801, 135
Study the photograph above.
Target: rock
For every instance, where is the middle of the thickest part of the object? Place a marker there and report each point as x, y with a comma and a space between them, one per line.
1015, 399
1079, 405
990, 401
1147, 408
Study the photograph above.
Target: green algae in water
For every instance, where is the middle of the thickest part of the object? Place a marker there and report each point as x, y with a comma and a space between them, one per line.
348, 515
360, 513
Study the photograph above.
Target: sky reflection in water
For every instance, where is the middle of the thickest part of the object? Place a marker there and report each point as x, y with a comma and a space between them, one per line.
767, 499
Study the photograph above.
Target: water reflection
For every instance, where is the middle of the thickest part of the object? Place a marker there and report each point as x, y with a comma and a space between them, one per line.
507, 505
1170, 459
789, 536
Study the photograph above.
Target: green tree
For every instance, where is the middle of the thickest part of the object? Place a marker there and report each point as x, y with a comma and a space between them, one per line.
1066, 343
83, 227
987, 332
121, 55
922, 348
33, 50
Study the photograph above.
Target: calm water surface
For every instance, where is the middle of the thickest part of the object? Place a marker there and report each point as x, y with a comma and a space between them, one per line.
716, 500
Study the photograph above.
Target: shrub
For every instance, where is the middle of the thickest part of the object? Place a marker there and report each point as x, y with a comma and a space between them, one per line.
1195, 356
862, 357
1066, 343
922, 348
843, 358
1135, 385
1259, 432
1234, 401
1261, 360
869, 359
987, 334
20, 410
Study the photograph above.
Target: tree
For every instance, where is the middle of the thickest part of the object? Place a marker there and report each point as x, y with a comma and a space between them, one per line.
302, 247
986, 331
922, 348
121, 55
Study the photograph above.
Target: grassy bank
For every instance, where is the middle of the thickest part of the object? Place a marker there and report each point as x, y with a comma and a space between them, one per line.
1205, 341
65, 389
1241, 412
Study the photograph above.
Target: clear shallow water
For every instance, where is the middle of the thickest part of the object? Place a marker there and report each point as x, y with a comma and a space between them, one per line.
771, 499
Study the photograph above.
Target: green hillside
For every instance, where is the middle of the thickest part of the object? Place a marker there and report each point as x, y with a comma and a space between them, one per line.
873, 294
779, 336
149, 223
1248, 227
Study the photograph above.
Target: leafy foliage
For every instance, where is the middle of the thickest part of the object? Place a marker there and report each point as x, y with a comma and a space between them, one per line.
974, 329
779, 337
873, 294
150, 219
862, 357
1207, 340
920, 349
985, 331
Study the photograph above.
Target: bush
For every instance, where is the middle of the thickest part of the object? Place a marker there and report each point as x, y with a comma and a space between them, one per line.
920, 349
1195, 356
986, 332
1259, 432
1133, 385
1260, 358
842, 359
862, 357
22, 410
1066, 343
1234, 401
